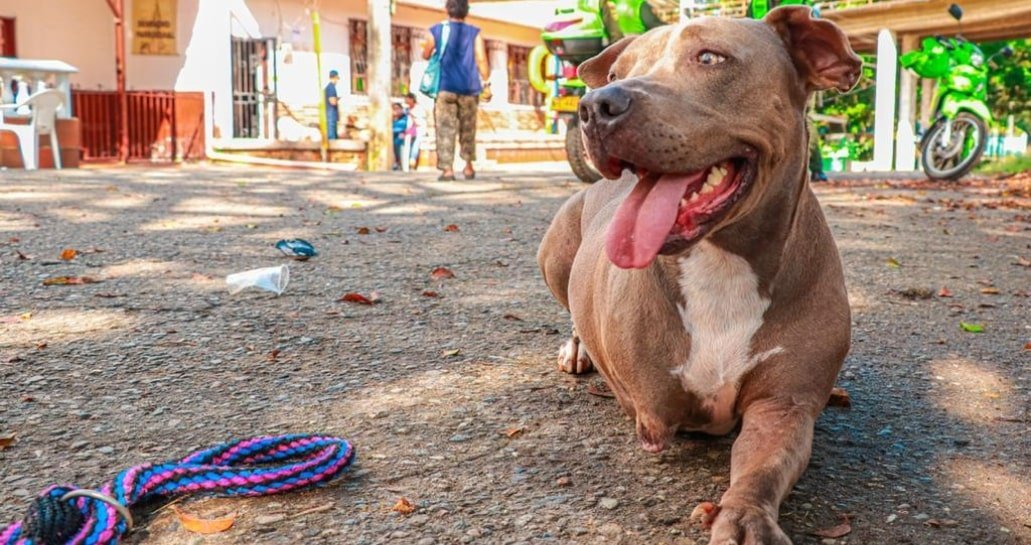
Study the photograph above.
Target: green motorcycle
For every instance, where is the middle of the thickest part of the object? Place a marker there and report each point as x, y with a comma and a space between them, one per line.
953, 144
579, 32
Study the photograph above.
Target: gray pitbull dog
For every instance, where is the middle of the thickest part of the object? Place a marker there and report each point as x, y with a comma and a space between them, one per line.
704, 284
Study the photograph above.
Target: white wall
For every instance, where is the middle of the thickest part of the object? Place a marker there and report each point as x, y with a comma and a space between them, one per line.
79, 32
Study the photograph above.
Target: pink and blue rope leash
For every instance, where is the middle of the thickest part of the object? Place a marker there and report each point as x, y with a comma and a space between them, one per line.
66, 515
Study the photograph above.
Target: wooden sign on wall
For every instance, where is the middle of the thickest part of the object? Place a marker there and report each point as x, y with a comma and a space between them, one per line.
154, 27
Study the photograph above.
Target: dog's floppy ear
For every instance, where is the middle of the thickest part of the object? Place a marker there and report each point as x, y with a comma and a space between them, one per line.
819, 48
595, 70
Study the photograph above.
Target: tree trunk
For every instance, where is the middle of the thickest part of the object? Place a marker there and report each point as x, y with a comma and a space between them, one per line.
380, 147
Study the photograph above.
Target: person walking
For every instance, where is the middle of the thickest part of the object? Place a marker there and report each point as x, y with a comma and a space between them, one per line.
332, 107
463, 74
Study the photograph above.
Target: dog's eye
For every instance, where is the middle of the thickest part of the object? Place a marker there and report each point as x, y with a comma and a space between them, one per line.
710, 58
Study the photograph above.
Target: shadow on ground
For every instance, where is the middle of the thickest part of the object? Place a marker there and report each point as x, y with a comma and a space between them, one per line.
453, 401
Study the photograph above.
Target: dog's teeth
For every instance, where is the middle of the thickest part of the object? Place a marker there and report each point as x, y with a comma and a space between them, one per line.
683, 202
694, 196
708, 188
714, 178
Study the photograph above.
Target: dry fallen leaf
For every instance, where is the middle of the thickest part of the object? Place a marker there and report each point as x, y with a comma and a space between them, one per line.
363, 230
893, 263
440, 273
41, 346
512, 317
430, 293
916, 293
69, 254
451, 228
23, 257
6, 441
273, 355
563, 481
512, 433
1027, 345
404, 506
1023, 262
381, 229
600, 390
839, 398
352, 297
69, 280
990, 291
840, 530
451, 353
198, 525
944, 292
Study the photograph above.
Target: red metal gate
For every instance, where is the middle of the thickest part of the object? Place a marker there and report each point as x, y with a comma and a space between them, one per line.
163, 125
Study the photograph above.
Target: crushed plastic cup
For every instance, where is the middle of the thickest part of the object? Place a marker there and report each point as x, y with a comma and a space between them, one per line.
272, 279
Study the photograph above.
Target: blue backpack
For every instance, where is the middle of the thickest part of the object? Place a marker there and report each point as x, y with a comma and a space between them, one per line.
430, 84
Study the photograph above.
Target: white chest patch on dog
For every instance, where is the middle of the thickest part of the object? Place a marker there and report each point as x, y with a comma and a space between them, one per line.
722, 311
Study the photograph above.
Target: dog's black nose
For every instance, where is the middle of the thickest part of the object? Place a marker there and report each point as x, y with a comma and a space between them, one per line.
606, 106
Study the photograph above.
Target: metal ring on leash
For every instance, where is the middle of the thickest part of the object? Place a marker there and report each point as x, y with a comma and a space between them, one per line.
122, 510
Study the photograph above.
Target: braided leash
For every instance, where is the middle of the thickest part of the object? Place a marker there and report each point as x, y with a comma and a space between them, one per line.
66, 515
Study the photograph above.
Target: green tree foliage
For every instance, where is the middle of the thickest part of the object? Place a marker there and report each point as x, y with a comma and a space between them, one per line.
1009, 83
856, 106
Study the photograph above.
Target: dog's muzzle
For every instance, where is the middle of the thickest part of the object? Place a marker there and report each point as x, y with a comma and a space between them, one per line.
601, 110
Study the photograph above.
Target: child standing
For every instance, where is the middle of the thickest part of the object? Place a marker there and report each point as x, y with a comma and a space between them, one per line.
416, 125
400, 126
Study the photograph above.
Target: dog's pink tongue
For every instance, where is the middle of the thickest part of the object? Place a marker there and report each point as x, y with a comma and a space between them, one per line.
643, 221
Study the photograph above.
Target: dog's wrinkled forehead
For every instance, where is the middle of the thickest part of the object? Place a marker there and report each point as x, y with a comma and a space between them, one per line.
674, 47
788, 45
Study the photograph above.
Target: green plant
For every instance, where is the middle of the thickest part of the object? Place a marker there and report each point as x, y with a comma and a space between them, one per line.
1009, 85
1012, 164
856, 106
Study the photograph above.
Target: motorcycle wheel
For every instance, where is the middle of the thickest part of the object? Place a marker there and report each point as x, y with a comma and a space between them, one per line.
577, 155
960, 154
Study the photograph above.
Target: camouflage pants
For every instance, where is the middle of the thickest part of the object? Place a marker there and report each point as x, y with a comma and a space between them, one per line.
455, 115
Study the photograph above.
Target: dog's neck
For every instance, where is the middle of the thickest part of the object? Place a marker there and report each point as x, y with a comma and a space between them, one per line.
760, 236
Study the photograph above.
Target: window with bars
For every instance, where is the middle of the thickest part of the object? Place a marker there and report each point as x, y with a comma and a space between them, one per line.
7, 43
401, 52
359, 57
519, 89
401, 58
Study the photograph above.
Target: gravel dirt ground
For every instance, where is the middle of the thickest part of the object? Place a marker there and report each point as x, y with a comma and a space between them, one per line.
454, 401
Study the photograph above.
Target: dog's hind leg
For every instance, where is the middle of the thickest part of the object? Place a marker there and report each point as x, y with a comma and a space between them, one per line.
555, 258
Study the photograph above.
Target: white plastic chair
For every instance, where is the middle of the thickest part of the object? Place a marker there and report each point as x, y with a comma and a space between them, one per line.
44, 106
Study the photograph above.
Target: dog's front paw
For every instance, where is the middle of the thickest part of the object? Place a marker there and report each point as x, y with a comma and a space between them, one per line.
740, 525
573, 358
